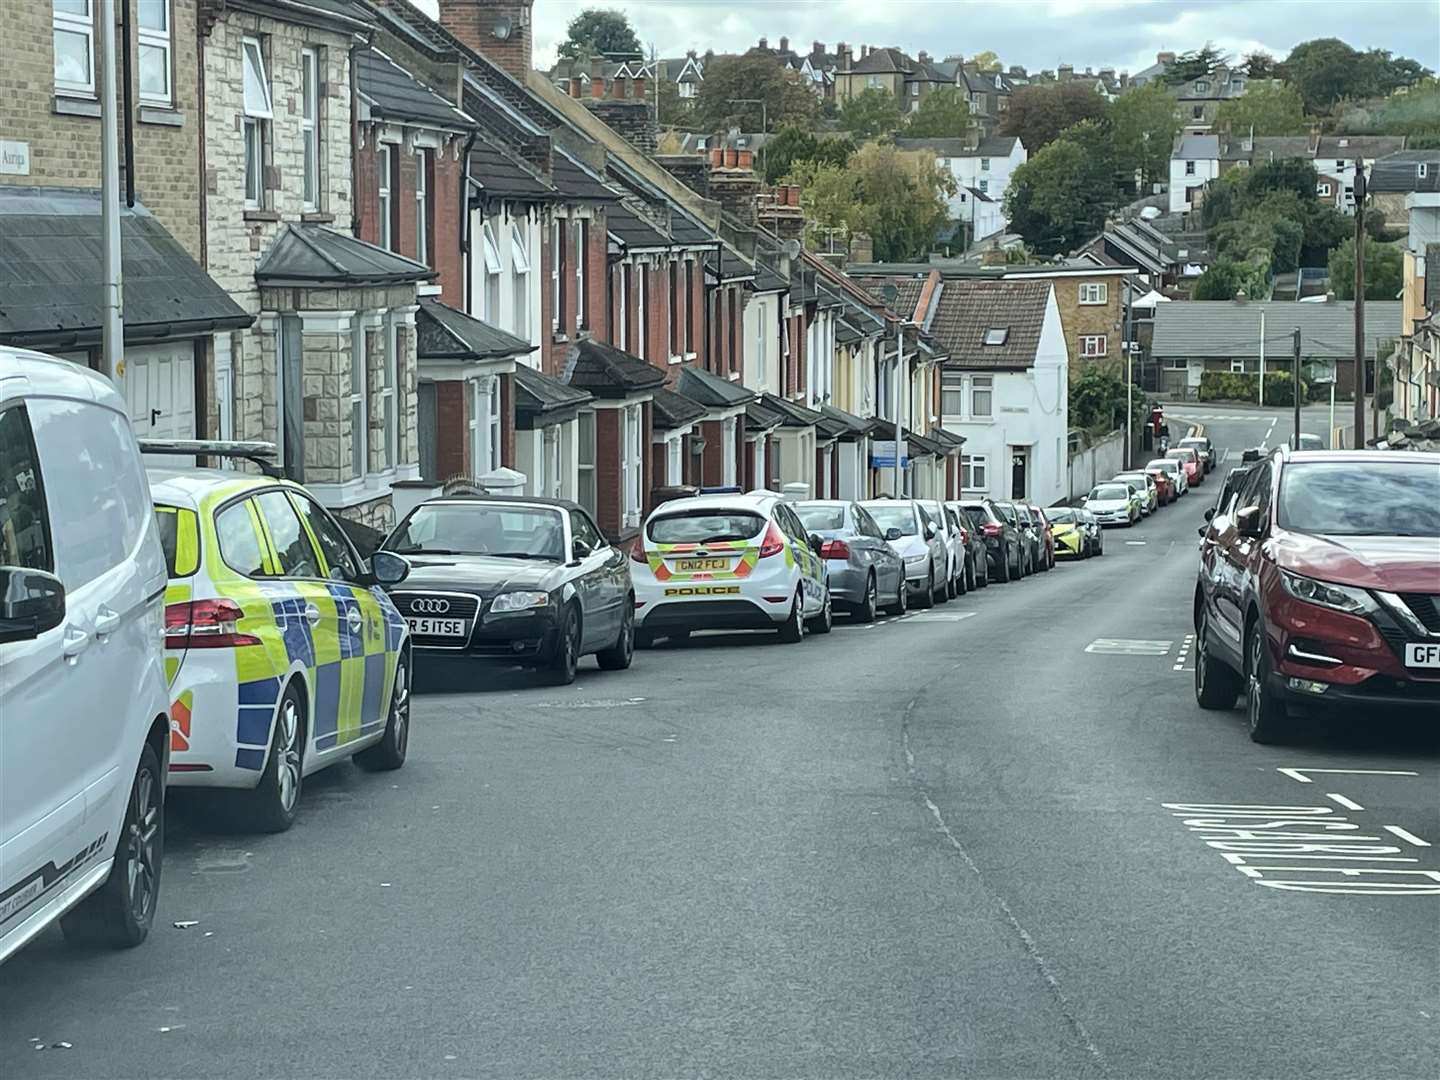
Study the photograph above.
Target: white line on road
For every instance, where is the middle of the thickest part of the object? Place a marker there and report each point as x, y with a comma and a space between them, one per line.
1128, 647
1299, 774
1270, 430
1134, 543
1406, 835
1349, 804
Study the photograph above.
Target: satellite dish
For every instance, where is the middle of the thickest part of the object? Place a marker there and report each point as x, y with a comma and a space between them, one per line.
503, 28
791, 249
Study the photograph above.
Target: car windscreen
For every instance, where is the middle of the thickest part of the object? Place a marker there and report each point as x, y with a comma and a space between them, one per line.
978, 516
1138, 481
1168, 466
515, 532
1352, 498
1180, 455
705, 526
894, 516
821, 518
1110, 493
1062, 515
1195, 444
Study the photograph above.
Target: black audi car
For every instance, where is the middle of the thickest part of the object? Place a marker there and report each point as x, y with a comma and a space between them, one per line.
513, 579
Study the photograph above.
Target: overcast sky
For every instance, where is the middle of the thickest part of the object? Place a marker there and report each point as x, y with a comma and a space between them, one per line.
1124, 34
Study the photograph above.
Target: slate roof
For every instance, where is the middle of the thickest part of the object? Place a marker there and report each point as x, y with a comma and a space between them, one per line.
495, 171
1399, 173
1344, 147
917, 444
733, 266
949, 439
576, 181
760, 417
946, 148
50, 272
312, 254
394, 94
855, 426
969, 308
1222, 329
882, 61
909, 288
607, 372
443, 333
540, 399
632, 231
794, 414
711, 390
327, 13
767, 279
670, 410
1197, 147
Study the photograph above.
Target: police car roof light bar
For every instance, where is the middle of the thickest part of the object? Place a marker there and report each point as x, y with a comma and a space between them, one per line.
260, 454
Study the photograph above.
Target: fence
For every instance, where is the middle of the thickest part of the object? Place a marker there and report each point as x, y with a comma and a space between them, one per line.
1089, 464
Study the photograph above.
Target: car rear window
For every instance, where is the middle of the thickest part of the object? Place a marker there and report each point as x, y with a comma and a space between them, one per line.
703, 526
897, 515
821, 518
180, 539
978, 517
1107, 492
1061, 515
1352, 498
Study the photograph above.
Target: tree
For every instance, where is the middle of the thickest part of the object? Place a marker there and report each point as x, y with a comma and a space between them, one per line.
1384, 270
872, 113
1195, 64
1059, 198
1221, 281
984, 61
1269, 108
1039, 113
943, 114
597, 32
757, 76
1144, 124
795, 143
1261, 65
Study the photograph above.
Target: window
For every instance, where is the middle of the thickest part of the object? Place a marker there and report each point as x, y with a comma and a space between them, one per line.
382, 178
493, 266
761, 344
585, 459
339, 556
1202, 87
1176, 363
872, 82
642, 328
357, 401
1189, 168
982, 392
520, 279
1237, 85
24, 521
256, 120
74, 37
952, 401
582, 303
674, 308
914, 89
424, 245
485, 425
984, 187
1092, 345
1322, 189
1094, 292
622, 289
1340, 164
154, 40
389, 417
1197, 112
632, 461
689, 307
1237, 366
1422, 170
997, 335
557, 257
235, 528
310, 126
972, 474
294, 554
984, 164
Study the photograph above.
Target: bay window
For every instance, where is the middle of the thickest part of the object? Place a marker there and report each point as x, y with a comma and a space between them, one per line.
557, 259
73, 34
728, 448
674, 473
484, 425
689, 307
389, 415
154, 51
582, 306
358, 411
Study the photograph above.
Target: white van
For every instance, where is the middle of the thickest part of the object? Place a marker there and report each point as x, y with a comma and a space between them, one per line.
84, 720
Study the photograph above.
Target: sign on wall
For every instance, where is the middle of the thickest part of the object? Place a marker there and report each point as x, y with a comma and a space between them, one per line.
14, 158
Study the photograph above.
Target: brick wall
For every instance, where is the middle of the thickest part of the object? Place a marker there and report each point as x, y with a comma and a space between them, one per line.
596, 280
1079, 320
445, 180
507, 421
607, 471
452, 419
712, 463
473, 22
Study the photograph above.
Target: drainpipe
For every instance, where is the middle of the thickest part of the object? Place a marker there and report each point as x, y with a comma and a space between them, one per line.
128, 104
200, 164
464, 223
354, 132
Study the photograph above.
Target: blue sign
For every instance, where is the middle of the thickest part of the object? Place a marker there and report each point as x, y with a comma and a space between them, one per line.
882, 455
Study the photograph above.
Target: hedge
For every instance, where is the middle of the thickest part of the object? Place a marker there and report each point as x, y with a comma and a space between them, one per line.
1232, 386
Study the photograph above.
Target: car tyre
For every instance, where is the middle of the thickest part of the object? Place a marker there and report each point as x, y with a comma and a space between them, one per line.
566, 660
866, 610
389, 753
902, 597
825, 621
272, 805
1217, 684
1004, 572
618, 656
644, 639
927, 597
793, 629
118, 915
1265, 712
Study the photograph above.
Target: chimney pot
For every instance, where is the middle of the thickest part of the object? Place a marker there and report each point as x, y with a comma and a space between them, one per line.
500, 30
817, 49
1240, 297
732, 158
621, 87
597, 87
764, 43
575, 86
745, 159
717, 157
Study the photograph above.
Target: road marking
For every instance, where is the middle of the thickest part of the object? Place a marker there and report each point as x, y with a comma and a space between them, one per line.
1184, 653
938, 616
1349, 804
1134, 543
1406, 835
1269, 431
1128, 647
1299, 774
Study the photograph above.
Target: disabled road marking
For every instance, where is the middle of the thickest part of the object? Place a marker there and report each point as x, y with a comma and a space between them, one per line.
1128, 647
1299, 774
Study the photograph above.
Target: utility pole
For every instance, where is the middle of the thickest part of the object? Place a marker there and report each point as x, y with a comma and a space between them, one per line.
1296, 443
1261, 402
899, 389
112, 325
1360, 308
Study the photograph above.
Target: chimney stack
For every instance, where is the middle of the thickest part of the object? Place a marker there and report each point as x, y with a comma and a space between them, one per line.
784, 44
764, 43
1165, 58
500, 30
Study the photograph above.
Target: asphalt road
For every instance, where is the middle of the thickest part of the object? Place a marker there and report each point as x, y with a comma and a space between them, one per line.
934, 847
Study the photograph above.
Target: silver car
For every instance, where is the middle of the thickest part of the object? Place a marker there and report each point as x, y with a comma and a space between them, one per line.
954, 546
915, 540
863, 570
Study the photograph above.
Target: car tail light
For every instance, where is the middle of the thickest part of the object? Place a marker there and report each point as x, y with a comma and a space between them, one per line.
205, 624
773, 543
637, 551
835, 549
990, 528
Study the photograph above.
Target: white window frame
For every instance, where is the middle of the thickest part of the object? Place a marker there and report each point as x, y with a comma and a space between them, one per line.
974, 472
642, 327
556, 233
485, 430
984, 186
64, 22
310, 127
258, 112
1094, 292
762, 347
1422, 170
1202, 87
493, 266
952, 393
632, 463
1093, 346
623, 273
1322, 189
550, 453
982, 384
582, 307
1237, 365
422, 205
1189, 168
984, 164
587, 492
520, 279
149, 37
384, 195
359, 402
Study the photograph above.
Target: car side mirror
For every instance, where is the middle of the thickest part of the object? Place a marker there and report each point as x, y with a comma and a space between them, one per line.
816, 542
1210, 514
1247, 521
1084, 499
893, 534
580, 549
388, 569
31, 602
929, 533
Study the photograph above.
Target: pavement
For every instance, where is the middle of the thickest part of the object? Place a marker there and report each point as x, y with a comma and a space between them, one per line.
970, 842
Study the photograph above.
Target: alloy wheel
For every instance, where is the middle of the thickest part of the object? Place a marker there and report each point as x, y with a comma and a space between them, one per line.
141, 872
288, 767
400, 707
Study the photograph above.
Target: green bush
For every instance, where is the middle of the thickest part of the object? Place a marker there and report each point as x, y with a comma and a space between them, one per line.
1233, 386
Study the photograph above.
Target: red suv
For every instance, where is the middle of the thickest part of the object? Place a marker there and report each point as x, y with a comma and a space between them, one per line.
1319, 586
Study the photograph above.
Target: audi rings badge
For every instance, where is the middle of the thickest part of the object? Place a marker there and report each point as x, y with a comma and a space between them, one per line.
429, 605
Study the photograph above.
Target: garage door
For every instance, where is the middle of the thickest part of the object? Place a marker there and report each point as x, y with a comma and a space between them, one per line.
160, 389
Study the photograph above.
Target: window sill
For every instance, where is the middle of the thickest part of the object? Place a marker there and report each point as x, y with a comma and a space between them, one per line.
559, 338
164, 115
317, 217
676, 360
262, 215
76, 106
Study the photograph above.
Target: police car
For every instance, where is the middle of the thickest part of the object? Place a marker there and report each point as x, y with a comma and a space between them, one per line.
728, 562
282, 651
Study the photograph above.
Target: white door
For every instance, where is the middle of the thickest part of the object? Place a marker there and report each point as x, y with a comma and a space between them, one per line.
160, 390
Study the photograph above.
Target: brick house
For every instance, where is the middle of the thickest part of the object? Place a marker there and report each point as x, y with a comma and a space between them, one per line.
1091, 299
50, 212
328, 372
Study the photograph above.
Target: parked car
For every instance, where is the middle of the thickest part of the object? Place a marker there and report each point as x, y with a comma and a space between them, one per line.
1093, 532
956, 579
1029, 541
1070, 536
1202, 445
515, 580
1114, 503
1307, 442
1190, 462
283, 653
1046, 534
1164, 486
1142, 482
1321, 591
1004, 548
1229, 490
863, 571
728, 562
84, 713
976, 565
1173, 469
917, 543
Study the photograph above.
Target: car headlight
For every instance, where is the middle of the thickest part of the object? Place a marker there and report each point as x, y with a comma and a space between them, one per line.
917, 560
519, 601
1324, 594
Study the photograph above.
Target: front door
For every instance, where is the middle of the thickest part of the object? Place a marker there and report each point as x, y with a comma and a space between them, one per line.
160, 390
1019, 466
